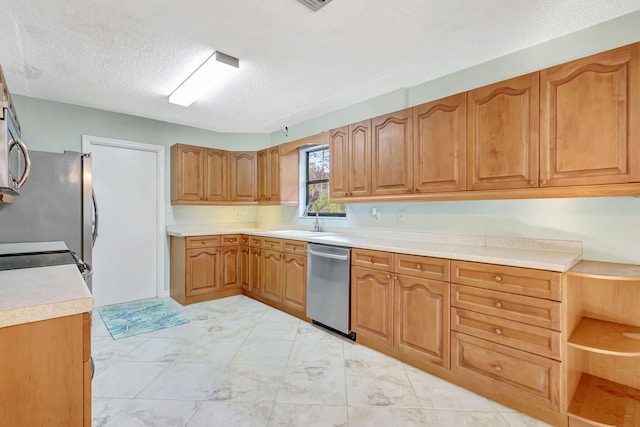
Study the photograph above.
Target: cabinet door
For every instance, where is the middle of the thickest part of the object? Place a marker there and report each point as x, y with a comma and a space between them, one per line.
502, 149
271, 275
245, 268
392, 153
255, 278
439, 151
216, 184
186, 173
372, 305
422, 319
264, 186
202, 271
294, 279
590, 120
359, 139
274, 174
244, 176
230, 267
42, 373
338, 163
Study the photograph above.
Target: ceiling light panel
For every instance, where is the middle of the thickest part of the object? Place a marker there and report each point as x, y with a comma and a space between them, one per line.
214, 71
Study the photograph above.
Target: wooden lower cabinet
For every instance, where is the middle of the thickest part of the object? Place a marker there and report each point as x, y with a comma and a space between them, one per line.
492, 365
202, 270
245, 268
255, 266
294, 282
421, 319
271, 275
372, 306
231, 269
49, 382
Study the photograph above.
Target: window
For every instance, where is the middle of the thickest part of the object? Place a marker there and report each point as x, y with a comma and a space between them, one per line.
317, 184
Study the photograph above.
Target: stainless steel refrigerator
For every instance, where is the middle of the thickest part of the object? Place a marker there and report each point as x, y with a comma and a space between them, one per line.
55, 204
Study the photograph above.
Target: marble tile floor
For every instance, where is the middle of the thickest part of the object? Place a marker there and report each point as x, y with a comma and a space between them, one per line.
242, 363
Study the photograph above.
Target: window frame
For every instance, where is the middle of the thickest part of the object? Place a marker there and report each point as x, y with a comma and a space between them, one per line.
307, 183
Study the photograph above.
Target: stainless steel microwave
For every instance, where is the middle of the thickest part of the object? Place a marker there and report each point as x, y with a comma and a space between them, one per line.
14, 157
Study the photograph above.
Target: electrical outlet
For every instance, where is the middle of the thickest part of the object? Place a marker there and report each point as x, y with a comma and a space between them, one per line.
400, 216
375, 213
169, 208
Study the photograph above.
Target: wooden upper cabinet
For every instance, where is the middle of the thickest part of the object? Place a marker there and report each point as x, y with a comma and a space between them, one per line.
243, 176
216, 182
278, 177
339, 163
359, 141
187, 164
392, 151
274, 173
502, 144
439, 145
263, 176
590, 116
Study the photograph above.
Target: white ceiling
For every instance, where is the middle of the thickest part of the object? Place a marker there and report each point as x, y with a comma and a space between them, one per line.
127, 56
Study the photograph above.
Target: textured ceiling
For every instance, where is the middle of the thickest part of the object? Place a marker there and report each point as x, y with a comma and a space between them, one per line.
128, 56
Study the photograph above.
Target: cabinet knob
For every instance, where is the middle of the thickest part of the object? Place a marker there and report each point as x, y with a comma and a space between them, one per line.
419, 267
532, 183
388, 276
543, 182
498, 305
370, 259
498, 278
498, 368
417, 190
498, 331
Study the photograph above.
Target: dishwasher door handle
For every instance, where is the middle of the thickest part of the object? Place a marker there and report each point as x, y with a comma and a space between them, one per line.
325, 255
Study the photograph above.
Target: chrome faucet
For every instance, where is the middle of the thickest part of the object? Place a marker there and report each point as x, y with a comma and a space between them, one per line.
316, 223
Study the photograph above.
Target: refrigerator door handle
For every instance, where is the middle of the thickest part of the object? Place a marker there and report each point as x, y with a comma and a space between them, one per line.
94, 234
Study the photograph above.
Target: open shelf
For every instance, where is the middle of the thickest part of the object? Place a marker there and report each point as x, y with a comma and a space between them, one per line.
605, 403
606, 337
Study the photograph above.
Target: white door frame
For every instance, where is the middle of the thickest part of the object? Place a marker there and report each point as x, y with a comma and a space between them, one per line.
88, 140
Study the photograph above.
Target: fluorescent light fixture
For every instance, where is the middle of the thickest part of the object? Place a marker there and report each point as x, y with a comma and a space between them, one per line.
214, 70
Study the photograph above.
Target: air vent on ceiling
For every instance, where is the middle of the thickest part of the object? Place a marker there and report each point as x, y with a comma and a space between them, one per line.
315, 5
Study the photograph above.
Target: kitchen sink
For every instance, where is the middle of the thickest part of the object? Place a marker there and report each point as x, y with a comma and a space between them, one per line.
299, 233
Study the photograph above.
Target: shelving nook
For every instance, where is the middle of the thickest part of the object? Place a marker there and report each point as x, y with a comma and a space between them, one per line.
603, 344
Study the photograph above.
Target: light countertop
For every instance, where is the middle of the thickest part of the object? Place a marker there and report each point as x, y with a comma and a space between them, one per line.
34, 294
554, 255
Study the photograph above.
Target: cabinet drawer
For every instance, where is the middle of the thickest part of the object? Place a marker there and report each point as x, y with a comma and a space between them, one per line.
245, 240
422, 266
255, 242
533, 311
203, 242
515, 280
294, 246
535, 376
533, 339
269, 243
377, 260
230, 240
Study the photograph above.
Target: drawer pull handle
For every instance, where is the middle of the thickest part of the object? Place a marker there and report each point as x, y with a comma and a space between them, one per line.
498, 331
498, 278
498, 305
498, 368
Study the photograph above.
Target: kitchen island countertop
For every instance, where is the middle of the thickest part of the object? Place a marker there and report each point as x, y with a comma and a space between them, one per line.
553, 255
42, 293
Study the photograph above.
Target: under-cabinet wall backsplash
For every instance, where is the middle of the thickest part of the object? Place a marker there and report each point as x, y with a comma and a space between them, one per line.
608, 227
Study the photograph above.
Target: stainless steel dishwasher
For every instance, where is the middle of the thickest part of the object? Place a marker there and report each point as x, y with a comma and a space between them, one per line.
328, 287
